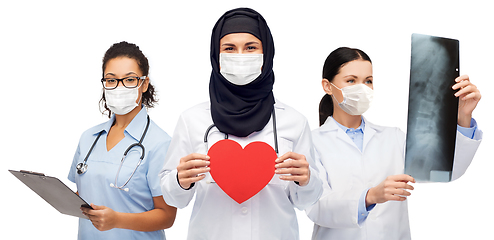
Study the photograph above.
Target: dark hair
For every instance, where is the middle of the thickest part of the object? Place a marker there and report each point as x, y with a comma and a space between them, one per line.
334, 62
130, 50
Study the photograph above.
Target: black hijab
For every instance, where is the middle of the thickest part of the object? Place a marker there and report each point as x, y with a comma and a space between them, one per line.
241, 110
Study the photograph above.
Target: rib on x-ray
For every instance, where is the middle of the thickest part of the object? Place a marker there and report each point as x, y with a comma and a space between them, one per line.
432, 108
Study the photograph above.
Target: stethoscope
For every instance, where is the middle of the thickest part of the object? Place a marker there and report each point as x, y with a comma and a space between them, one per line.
82, 167
275, 133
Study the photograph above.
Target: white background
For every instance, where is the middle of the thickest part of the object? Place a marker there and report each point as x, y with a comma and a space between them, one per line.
51, 54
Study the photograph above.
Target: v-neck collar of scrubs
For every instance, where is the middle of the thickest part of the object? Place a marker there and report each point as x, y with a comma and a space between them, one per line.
134, 129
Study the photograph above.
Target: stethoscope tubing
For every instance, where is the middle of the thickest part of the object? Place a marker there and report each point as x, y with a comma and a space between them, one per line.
82, 167
275, 133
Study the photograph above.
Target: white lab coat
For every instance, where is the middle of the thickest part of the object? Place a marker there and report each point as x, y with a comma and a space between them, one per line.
267, 215
349, 172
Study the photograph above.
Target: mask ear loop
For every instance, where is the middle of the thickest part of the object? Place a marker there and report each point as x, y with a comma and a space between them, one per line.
140, 93
332, 95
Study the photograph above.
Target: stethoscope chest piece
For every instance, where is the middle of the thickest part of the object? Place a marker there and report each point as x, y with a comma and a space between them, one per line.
81, 168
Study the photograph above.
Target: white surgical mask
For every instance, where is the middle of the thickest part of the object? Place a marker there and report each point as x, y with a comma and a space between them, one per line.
122, 100
356, 98
240, 69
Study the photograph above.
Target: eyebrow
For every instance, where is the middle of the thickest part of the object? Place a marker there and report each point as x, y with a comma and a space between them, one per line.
228, 44
356, 76
232, 45
129, 73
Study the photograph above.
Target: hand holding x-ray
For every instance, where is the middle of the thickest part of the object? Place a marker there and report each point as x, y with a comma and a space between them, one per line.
469, 96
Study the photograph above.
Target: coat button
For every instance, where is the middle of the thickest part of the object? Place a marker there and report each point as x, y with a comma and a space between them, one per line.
245, 210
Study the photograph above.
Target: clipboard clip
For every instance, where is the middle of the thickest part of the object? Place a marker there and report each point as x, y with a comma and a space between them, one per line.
30, 172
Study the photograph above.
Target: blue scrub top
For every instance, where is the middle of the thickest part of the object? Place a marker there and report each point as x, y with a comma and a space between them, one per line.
94, 185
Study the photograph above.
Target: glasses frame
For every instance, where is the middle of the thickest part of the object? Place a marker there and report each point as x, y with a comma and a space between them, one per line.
103, 80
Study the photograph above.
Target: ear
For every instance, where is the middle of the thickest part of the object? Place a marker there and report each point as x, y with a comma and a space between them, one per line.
326, 86
145, 85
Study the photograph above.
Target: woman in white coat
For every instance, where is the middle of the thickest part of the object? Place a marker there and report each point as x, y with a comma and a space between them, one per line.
242, 108
365, 189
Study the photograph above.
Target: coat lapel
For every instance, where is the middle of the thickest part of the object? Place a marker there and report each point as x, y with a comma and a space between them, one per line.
331, 126
369, 132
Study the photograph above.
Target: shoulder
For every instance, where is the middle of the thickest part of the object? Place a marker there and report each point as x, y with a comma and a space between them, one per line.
158, 133
290, 124
94, 130
289, 112
391, 131
199, 109
194, 119
197, 114
88, 137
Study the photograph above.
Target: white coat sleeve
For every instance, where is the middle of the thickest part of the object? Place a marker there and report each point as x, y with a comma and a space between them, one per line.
180, 146
465, 150
334, 209
303, 197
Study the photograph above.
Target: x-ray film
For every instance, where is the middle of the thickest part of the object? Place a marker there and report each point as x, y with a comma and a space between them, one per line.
432, 108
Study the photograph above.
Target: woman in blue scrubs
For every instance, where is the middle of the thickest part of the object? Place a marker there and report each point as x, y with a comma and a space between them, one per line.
124, 191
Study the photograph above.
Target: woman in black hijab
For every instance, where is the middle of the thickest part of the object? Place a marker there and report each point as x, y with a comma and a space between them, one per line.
243, 109
249, 106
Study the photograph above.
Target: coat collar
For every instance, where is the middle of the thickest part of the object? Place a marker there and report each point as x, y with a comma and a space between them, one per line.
370, 130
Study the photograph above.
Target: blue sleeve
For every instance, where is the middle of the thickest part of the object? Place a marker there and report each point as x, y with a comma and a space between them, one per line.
156, 164
363, 211
469, 132
72, 170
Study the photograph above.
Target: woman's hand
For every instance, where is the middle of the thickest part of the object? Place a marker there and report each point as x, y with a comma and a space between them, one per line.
191, 169
469, 96
393, 188
294, 164
103, 218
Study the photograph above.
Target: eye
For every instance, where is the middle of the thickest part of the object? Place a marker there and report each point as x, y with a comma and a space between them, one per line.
350, 81
130, 79
368, 82
110, 80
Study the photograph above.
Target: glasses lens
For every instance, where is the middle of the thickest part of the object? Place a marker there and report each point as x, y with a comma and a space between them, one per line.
110, 82
130, 82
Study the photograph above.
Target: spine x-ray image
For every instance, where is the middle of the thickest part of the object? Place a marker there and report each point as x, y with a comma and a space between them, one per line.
432, 108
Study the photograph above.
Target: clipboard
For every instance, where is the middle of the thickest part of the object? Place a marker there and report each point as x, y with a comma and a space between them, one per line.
432, 108
54, 192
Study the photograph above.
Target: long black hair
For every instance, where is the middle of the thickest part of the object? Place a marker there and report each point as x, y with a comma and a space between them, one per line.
334, 62
132, 51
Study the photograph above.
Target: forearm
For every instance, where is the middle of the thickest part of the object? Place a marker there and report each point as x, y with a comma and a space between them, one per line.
152, 220
464, 120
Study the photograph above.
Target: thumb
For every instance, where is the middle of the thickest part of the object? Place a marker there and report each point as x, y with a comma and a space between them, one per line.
96, 207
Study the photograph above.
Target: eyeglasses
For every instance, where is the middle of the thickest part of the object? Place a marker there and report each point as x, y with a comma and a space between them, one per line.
128, 82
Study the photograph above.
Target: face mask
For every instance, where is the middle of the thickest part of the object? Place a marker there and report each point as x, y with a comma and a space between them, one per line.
122, 100
356, 98
240, 69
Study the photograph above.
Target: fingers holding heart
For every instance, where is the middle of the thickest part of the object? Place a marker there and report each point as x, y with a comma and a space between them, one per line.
294, 167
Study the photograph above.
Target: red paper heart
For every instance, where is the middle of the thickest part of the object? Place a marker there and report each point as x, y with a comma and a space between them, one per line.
241, 173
